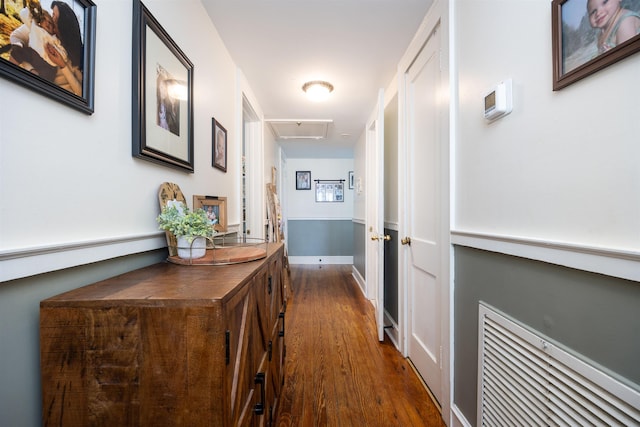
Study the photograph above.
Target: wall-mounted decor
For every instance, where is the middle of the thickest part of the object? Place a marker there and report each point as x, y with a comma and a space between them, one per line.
588, 36
50, 50
303, 180
162, 95
330, 190
351, 183
219, 146
216, 209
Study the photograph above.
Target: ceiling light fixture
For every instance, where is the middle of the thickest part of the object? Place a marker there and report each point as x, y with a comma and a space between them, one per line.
317, 90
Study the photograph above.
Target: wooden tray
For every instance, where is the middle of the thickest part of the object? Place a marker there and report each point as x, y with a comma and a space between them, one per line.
225, 255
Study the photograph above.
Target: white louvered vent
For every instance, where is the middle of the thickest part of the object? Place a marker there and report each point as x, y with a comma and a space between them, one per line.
524, 380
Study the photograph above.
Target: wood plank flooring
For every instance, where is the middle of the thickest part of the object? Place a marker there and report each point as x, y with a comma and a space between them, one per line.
337, 372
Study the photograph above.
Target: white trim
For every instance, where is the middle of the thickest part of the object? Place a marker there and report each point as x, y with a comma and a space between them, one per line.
624, 264
359, 279
393, 332
391, 225
25, 262
318, 219
359, 221
320, 259
457, 418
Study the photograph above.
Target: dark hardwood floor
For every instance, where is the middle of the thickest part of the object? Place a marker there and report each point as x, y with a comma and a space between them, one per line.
337, 372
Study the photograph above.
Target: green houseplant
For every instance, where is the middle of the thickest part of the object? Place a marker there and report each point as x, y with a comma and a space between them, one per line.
190, 228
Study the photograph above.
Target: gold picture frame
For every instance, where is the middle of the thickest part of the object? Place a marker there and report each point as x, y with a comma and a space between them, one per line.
215, 206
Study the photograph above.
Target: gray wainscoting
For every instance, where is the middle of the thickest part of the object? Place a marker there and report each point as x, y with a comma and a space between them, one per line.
359, 236
391, 274
593, 316
320, 237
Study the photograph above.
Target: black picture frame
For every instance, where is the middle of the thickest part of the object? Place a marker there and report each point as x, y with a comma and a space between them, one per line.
218, 146
351, 183
162, 130
576, 53
50, 65
303, 180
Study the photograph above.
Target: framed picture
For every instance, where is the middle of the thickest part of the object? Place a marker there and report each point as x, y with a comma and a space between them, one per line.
216, 209
49, 47
303, 180
351, 180
219, 142
331, 191
162, 95
586, 40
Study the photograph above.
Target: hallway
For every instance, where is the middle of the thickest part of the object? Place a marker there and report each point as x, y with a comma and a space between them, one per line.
337, 373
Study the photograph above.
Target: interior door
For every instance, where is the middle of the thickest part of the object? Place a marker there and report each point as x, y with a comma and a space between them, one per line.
423, 205
375, 212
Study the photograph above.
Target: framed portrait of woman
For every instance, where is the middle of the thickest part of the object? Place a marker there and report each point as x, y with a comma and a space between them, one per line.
219, 149
49, 46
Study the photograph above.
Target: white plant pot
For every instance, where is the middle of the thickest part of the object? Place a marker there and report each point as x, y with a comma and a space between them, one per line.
194, 250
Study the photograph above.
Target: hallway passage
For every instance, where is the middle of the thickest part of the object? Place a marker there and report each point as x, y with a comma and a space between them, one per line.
337, 373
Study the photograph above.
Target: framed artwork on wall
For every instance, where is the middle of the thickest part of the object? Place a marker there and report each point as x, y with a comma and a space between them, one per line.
219, 143
303, 180
589, 35
162, 95
49, 47
216, 209
351, 183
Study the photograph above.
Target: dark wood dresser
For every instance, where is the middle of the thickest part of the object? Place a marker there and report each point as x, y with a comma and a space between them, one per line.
167, 345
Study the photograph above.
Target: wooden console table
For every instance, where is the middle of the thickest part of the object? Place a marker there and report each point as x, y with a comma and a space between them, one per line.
167, 345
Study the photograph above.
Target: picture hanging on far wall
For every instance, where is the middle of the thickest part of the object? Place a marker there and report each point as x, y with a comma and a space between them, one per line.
303, 180
351, 180
589, 35
162, 95
219, 146
49, 47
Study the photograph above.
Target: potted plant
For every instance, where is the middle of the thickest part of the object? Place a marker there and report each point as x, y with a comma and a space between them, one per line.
191, 228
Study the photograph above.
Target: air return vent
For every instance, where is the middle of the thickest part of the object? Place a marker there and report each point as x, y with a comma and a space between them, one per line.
299, 129
524, 380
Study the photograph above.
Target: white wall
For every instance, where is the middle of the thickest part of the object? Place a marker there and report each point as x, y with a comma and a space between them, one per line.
301, 204
564, 165
359, 174
67, 178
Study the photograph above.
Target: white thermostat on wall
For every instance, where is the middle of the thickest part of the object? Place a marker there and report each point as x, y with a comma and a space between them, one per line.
498, 102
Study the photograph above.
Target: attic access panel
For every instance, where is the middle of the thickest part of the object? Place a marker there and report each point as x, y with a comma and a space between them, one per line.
300, 129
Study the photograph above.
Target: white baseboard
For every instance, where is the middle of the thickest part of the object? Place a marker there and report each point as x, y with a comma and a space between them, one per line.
319, 259
457, 418
359, 280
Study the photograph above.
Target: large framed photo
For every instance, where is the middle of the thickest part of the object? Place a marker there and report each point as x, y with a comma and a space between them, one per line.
219, 146
216, 209
49, 46
589, 35
162, 95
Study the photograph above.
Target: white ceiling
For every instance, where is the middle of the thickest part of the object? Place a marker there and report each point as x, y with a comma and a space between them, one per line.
354, 44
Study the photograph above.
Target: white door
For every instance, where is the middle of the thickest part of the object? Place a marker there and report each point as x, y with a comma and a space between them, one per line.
423, 203
375, 213
252, 165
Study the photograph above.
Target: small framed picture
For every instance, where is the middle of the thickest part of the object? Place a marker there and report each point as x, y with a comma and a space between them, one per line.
350, 180
216, 209
303, 180
219, 149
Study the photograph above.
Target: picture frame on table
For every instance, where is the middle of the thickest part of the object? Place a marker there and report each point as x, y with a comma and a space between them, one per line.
60, 62
219, 146
303, 180
215, 207
580, 47
162, 99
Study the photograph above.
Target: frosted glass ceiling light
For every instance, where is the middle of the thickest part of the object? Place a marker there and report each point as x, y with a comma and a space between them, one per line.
317, 90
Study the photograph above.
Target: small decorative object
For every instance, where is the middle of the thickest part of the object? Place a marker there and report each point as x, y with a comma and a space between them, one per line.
584, 43
219, 143
216, 209
303, 180
162, 95
191, 228
350, 180
55, 58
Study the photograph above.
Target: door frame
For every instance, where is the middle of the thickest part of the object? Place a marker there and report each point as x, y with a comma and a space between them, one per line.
374, 225
250, 128
438, 16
